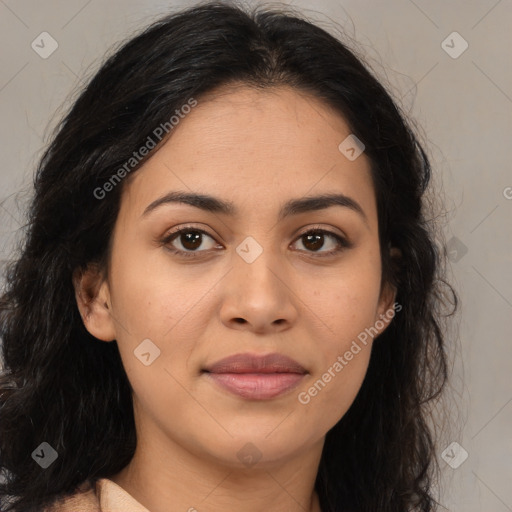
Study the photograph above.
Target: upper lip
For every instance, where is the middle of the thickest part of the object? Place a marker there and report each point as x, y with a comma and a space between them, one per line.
253, 363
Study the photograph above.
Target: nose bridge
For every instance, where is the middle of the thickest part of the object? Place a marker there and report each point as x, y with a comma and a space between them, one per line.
258, 261
257, 290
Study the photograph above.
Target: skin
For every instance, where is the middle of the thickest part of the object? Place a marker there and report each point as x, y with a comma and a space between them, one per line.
257, 149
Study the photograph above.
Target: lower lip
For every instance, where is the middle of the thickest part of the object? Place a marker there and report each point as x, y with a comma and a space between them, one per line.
257, 386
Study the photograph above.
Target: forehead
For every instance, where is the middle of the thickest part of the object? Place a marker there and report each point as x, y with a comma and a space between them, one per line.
249, 145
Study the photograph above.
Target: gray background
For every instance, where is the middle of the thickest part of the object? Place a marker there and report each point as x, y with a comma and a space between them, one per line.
463, 108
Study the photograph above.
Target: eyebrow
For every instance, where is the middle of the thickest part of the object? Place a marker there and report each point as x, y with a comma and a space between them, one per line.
292, 207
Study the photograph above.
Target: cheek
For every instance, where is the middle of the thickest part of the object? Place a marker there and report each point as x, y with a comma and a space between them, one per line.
152, 295
343, 304
330, 393
156, 301
342, 350
346, 304
170, 317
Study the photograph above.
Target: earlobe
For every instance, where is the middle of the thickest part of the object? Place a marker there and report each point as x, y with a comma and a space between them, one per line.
386, 310
93, 300
385, 314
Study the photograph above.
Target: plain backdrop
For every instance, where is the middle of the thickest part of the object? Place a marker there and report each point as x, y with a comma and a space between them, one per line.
448, 65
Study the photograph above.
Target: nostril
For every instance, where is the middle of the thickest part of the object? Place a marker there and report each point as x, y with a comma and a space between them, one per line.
239, 320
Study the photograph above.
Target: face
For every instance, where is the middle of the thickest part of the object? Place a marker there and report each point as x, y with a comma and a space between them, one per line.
260, 269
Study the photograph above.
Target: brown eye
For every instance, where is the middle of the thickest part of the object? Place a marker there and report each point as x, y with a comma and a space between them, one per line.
187, 241
317, 239
314, 241
191, 240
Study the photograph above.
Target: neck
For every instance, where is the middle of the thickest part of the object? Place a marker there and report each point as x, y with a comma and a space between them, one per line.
163, 472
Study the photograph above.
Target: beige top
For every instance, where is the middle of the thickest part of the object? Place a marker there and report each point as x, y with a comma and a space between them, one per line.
107, 496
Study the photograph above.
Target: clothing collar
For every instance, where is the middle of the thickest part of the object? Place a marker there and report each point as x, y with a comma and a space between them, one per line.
113, 498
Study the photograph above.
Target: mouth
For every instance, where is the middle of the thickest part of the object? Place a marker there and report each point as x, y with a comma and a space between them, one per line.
255, 377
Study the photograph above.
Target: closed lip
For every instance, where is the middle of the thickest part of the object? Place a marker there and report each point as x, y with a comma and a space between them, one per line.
254, 363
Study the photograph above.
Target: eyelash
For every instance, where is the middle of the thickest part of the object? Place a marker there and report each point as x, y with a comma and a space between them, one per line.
343, 243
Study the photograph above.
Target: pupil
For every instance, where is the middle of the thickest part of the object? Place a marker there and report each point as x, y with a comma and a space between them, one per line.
192, 238
315, 239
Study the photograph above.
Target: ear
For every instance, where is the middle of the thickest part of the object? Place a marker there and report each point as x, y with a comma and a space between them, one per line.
386, 309
93, 300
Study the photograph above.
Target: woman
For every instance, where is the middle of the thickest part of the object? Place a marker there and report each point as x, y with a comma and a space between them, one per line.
229, 293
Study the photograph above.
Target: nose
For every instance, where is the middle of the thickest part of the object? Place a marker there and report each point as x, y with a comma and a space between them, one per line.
258, 295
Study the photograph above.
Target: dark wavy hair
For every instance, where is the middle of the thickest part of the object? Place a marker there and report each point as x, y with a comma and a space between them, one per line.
62, 386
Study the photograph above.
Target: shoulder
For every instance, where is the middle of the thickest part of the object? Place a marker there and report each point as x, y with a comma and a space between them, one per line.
84, 499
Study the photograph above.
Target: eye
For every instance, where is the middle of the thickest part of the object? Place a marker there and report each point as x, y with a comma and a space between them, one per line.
190, 239
189, 242
315, 239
